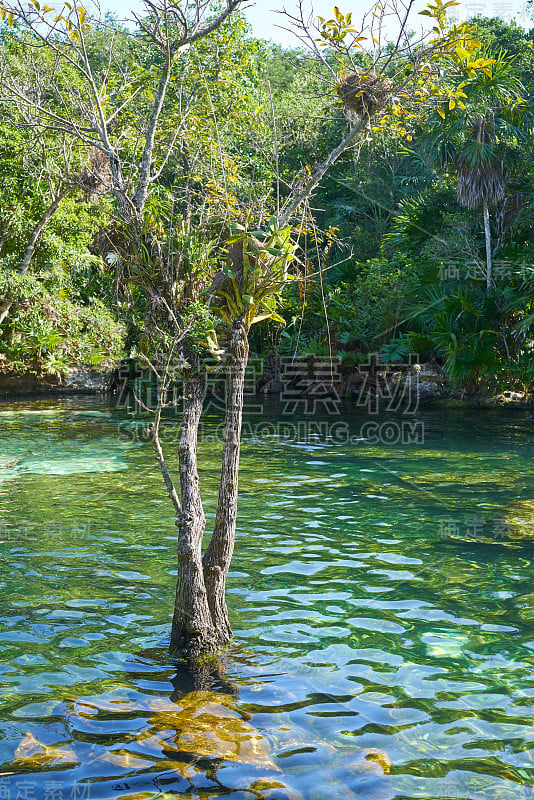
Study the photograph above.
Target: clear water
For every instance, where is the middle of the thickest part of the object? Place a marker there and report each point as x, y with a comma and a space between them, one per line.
384, 622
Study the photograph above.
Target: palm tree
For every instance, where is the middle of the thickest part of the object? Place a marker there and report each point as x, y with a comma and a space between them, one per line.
476, 139
481, 176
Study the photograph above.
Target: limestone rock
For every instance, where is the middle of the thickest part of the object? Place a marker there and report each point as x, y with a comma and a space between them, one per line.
426, 390
77, 379
428, 372
85, 380
207, 725
201, 724
378, 757
422, 389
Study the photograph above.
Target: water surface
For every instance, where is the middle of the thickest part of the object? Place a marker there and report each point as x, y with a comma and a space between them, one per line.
381, 597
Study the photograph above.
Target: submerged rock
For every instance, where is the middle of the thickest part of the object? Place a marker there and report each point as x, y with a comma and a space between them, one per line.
206, 725
269, 789
147, 796
62, 457
142, 796
200, 725
378, 757
125, 760
33, 753
203, 733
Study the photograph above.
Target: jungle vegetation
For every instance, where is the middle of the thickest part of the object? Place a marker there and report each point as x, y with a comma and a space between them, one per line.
397, 240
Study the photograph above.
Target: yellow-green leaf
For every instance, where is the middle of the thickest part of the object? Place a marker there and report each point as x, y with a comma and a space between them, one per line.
261, 317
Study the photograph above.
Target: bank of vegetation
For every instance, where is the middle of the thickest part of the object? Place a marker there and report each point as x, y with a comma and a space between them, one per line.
422, 244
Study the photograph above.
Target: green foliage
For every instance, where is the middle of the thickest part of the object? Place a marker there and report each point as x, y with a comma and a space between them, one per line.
399, 269
48, 335
483, 341
354, 313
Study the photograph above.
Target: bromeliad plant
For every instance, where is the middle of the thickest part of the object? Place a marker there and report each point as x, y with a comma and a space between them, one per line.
257, 268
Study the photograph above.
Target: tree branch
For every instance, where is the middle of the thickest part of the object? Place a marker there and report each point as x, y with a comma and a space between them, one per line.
320, 171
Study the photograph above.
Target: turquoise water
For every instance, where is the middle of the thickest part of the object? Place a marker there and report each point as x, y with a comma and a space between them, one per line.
381, 597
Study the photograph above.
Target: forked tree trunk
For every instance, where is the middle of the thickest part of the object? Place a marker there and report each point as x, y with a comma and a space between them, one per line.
192, 627
200, 622
487, 234
221, 547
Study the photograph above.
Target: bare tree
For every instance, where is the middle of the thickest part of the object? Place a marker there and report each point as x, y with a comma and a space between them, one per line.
86, 110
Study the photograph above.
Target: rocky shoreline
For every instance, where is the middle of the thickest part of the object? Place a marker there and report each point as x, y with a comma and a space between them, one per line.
77, 380
390, 385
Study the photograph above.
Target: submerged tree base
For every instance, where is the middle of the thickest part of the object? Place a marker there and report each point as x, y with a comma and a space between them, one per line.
203, 646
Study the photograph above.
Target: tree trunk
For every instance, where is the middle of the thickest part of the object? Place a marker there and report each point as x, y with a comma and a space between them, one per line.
487, 234
5, 305
192, 631
221, 547
24, 266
